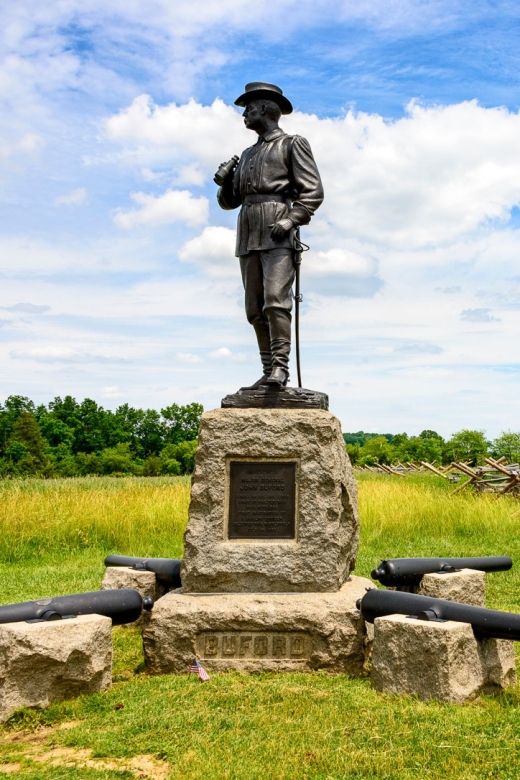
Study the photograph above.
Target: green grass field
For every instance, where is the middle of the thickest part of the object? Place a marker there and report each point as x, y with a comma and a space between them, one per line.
54, 536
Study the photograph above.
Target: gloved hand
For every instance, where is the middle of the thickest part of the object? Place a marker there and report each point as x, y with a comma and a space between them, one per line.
280, 228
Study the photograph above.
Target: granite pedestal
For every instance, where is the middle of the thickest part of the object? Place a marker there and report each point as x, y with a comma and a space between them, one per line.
271, 541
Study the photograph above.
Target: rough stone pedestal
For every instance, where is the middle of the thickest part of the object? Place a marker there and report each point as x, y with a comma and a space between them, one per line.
257, 632
438, 660
466, 586
271, 540
319, 553
45, 662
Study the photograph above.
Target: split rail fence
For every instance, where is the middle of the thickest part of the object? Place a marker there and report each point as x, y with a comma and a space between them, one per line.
497, 476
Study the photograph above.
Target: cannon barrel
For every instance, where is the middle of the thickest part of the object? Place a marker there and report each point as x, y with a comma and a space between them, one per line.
166, 570
409, 571
123, 605
485, 622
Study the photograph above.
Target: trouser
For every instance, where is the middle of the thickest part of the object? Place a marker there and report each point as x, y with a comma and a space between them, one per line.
268, 278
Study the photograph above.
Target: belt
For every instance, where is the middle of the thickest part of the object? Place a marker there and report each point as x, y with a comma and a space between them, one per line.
273, 197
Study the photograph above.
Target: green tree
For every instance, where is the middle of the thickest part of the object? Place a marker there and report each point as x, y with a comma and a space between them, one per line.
467, 445
182, 422
361, 437
118, 459
55, 431
87, 463
26, 434
417, 448
13, 406
183, 454
150, 433
430, 435
507, 445
63, 462
353, 452
378, 450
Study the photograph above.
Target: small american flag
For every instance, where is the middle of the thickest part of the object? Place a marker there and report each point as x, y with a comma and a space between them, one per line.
196, 668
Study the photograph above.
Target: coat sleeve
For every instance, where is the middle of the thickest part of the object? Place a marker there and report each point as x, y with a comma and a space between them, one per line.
228, 196
307, 182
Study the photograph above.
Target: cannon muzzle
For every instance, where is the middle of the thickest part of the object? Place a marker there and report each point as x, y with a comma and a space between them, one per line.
122, 605
409, 571
166, 570
490, 623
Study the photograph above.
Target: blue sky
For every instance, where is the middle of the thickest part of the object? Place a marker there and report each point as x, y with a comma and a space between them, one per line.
118, 276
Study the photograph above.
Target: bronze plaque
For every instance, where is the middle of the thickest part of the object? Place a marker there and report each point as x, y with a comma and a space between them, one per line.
262, 500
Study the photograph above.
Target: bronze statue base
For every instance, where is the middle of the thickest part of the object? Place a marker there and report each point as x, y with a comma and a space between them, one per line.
276, 398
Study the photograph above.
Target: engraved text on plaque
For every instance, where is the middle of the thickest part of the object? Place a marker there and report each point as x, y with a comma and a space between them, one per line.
262, 500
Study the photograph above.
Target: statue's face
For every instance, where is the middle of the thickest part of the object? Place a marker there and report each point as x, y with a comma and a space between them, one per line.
254, 115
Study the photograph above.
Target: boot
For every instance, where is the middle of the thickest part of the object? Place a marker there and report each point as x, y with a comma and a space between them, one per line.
261, 327
280, 330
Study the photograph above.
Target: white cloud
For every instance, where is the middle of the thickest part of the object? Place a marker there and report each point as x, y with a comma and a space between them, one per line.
424, 180
22, 256
61, 354
341, 272
478, 315
188, 357
203, 135
427, 179
28, 144
149, 175
74, 198
173, 206
190, 175
27, 308
213, 250
419, 348
47, 354
453, 290
112, 391
223, 353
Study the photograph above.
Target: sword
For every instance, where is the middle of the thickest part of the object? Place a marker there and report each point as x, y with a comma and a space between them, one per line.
299, 247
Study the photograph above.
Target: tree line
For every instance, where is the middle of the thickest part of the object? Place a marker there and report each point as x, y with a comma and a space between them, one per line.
465, 445
68, 438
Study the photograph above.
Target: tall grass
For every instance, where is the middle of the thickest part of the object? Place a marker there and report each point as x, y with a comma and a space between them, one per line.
69, 525
57, 519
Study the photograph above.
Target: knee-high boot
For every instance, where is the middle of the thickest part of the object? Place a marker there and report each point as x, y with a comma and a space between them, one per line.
261, 326
280, 333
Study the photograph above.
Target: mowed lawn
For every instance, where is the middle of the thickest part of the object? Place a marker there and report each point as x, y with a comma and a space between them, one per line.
54, 537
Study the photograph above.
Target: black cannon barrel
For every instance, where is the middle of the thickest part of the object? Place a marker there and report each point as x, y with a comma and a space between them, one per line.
123, 605
409, 571
485, 622
167, 570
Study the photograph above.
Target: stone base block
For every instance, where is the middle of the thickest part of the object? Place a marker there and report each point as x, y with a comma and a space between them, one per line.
438, 660
124, 577
498, 661
257, 632
467, 586
45, 662
273, 504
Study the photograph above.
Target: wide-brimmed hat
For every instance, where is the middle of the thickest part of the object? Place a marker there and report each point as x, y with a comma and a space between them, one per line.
261, 89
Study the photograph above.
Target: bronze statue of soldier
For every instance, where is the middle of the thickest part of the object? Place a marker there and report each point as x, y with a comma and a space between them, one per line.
278, 186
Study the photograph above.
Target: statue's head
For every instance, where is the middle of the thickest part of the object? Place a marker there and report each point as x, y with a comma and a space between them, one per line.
259, 113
